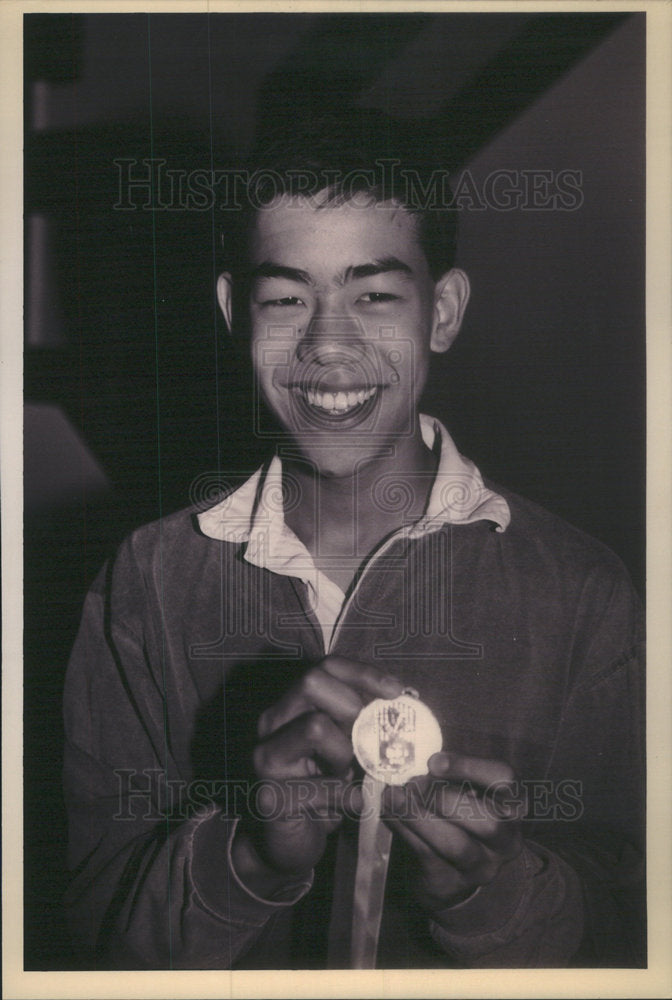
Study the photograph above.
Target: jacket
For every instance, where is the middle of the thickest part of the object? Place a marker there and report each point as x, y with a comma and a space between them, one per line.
526, 645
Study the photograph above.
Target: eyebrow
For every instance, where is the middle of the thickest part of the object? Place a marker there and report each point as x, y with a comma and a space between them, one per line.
383, 265
270, 270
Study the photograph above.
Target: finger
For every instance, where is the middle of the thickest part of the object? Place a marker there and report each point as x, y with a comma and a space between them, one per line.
286, 836
337, 686
441, 883
480, 770
486, 815
364, 677
320, 798
430, 833
292, 819
316, 690
416, 843
308, 745
458, 804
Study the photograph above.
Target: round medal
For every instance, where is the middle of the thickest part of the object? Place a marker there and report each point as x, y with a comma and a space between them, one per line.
394, 738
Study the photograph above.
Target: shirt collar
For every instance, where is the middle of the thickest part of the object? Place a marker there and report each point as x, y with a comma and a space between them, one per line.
458, 495
254, 513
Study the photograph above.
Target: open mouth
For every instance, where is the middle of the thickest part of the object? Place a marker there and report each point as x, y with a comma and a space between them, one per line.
338, 402
325, 407
346, 391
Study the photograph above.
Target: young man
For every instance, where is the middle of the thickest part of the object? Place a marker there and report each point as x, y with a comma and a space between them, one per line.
225, 655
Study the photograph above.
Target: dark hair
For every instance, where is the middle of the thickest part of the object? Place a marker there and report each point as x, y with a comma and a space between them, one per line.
363, 157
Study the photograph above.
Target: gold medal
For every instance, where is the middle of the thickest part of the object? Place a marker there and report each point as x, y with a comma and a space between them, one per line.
394, 738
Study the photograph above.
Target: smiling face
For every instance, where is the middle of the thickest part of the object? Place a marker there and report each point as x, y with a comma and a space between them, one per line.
343, 313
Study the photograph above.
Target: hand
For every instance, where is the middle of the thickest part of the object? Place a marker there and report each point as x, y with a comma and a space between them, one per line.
462, 823
304, 765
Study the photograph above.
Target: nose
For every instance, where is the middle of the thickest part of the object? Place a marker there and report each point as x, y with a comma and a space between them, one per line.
330, 340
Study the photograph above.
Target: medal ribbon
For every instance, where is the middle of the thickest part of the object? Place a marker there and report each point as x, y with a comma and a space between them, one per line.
373, 856
392, 738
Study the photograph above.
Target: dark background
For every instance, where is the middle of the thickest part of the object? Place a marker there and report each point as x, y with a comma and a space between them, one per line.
135, 399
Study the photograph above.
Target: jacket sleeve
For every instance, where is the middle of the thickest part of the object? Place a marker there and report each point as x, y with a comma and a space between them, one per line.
576, 894
152, 885
601, 738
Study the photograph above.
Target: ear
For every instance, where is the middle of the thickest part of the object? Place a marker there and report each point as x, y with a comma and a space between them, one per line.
224, 297
451, 294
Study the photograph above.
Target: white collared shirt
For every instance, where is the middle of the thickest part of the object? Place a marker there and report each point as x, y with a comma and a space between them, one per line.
254, 514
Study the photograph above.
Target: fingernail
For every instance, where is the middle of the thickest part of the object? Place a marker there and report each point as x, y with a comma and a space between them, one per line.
391, 686
439, 763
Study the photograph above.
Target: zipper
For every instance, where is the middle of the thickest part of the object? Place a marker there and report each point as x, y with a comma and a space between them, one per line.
410, 533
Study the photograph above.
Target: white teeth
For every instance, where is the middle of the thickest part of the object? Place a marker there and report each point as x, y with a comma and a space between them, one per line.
338, 402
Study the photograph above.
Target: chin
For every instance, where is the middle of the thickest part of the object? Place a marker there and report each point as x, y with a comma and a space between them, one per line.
336, 472
333, 468
341, 463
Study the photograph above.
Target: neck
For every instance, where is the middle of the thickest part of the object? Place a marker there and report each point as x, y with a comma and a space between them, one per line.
348, 515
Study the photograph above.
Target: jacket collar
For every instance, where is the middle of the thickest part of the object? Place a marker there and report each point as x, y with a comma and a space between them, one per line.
254, 513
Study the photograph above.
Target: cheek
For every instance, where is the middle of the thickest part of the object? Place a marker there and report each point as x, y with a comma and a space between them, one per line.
409, 354
263, 355
421, 362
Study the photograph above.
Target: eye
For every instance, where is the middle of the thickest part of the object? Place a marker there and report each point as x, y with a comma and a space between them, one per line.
378, 297
287, 300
